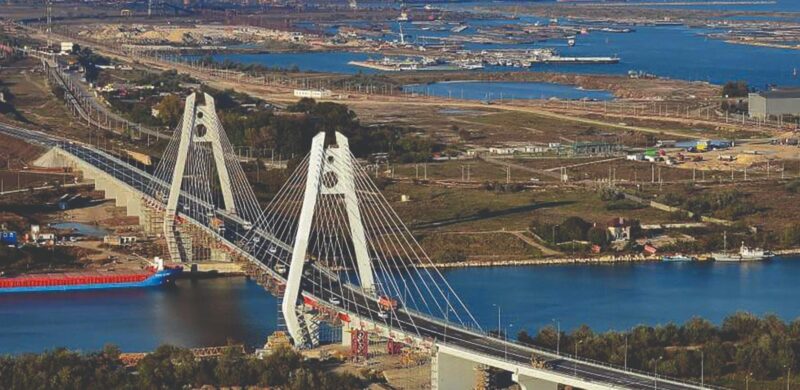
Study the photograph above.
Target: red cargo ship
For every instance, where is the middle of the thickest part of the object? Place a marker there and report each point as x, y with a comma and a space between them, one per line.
152, 276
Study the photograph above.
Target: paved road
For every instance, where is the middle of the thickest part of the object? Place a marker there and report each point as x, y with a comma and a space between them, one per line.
353, 301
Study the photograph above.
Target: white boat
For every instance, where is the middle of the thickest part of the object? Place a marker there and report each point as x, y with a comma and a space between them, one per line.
571, 42
470, 65
677, 258
745, 254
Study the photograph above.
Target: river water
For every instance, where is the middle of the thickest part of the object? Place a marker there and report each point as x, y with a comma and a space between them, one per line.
667, 51
212, 311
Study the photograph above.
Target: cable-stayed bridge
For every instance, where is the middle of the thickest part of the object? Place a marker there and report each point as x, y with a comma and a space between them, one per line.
329, 244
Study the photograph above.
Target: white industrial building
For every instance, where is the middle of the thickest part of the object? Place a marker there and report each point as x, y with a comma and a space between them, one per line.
313, 93
777, 102
66, 47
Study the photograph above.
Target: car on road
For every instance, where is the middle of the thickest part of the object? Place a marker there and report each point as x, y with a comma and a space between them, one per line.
383, 314
335, 301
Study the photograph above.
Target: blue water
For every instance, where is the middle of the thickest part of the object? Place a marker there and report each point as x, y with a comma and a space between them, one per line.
477, 90
779, 6
191, 314
209, 312
620, 297
681, 53
671, 51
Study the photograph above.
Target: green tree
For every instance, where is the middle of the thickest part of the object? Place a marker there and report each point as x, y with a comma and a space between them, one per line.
168, 367
170, 110
598, 236
735, 89
574, 229
739, 326
232, 368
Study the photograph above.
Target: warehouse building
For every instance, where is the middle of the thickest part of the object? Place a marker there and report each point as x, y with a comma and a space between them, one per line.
313, 93
777, 102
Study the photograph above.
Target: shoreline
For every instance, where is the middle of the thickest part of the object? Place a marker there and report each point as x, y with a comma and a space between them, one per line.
610, 260
546, 261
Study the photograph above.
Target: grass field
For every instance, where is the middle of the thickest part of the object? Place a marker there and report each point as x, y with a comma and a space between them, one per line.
460, 209
476, 246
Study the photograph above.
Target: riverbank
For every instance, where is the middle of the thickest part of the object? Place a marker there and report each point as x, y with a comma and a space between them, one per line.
764, 44
545, 261
605, 260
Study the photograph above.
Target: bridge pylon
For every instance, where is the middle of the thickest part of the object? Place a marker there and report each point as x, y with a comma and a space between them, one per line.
200, 178
330, 174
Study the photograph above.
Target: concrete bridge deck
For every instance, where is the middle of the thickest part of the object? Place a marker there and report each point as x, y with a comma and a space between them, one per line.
457, 349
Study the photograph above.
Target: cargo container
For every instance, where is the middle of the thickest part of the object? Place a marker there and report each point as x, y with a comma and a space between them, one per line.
91, 280
8, 238
387, 303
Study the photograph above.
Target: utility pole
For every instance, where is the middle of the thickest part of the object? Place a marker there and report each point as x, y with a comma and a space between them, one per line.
702, 368
558, 335
626, 352
652, 173
768, 166
49, 11
788, 375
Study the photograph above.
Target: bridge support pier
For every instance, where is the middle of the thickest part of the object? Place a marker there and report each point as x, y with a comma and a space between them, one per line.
217, 254
450, 372
346, 335
528, 383
123, 195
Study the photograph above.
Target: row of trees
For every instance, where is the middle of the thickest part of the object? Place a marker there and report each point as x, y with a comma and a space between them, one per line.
250, 121
292, 133
357, 81
735, 89
89, 61
766, 347
730, 204
168, 367
208, 60
570, 229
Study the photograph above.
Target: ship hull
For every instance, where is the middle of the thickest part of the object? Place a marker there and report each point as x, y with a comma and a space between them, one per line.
159, 278
674, 259
737, 259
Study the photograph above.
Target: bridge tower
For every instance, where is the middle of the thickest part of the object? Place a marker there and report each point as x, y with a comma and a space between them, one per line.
344, 254
330, 174
200, 187
200, 125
